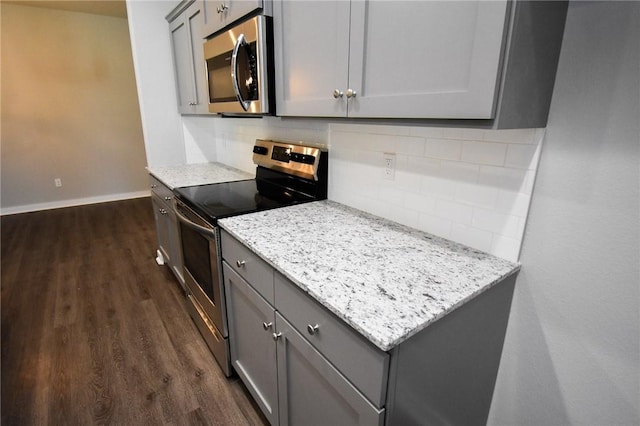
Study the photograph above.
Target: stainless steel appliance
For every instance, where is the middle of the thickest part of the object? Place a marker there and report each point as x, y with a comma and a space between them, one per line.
286, 174
239, 68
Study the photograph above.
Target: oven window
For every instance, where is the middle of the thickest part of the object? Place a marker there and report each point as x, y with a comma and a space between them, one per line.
197, 259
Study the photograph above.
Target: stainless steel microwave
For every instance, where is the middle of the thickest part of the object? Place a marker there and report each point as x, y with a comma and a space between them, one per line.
238, 68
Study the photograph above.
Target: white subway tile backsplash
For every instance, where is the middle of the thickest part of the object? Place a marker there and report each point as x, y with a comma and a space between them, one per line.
439, 187
473, 237
503, 178
403, 215
461, 133
484, 153
435, 225
409, 145
420, 203
455, 212
459, 172
497, 223
522, 156
472, 186
445, 149
390, 193
506, 248
476, 195
526, 136
513, 203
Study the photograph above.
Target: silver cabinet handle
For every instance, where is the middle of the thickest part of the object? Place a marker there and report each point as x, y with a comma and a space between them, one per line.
222, 8
267, 325
351, 93
276, 336
167, 198
154, 186
240, 263
163, 211
337, 93
313, 329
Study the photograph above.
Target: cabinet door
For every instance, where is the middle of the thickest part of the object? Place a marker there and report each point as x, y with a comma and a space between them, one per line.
182, 63
220, 13
253, 352
311, 48
161, 215
194, 19
427, 59
312, 391
188, 59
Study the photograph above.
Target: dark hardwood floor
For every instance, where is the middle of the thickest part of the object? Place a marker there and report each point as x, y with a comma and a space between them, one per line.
94, 331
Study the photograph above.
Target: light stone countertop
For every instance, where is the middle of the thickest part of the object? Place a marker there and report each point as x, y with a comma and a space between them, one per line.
197, 174
385, 280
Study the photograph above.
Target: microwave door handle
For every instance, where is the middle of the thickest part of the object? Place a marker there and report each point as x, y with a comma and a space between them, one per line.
234, 71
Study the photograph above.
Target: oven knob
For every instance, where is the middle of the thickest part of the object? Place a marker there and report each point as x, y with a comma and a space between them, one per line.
262, 150
240, 263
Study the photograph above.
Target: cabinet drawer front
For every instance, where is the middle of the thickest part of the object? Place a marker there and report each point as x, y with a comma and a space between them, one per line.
362, 363
248, 265
161, 190
314, 392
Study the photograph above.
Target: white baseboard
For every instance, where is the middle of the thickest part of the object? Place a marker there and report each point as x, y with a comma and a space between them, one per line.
71, 203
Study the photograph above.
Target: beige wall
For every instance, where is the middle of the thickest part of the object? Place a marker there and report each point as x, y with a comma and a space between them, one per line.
69, 110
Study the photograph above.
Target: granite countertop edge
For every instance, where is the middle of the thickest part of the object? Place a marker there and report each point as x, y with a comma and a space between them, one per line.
197, 174
383, 345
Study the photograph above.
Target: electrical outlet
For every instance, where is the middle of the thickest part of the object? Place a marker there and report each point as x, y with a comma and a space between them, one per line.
389, 165
57, 182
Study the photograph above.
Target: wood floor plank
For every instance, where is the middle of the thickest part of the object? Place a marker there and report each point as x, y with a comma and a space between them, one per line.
95, 332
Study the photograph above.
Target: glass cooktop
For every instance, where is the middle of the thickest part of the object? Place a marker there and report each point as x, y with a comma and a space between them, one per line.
220, 200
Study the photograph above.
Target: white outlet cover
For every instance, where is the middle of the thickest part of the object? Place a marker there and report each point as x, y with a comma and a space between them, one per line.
389, 165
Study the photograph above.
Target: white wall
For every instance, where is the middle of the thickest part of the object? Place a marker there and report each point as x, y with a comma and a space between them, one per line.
69, 110
572, 353
152, 58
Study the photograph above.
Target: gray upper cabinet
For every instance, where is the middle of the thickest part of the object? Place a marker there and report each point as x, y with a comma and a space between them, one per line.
188, 58
220, 13
418, 60
311, 48
388, 58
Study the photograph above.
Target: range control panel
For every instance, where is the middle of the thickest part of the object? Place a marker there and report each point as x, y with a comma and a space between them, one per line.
299, 160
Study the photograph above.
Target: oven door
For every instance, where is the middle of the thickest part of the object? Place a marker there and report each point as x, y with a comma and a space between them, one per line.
236, 64
202, 266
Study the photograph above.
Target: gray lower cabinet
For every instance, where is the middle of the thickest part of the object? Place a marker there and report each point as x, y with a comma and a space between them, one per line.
311, 391
305, 366
291, 380
253, 352
167, 227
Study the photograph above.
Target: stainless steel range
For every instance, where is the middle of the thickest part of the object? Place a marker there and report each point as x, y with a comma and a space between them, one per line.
286, 174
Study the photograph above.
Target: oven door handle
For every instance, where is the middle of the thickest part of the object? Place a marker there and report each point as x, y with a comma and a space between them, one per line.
234, 71
199, 228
